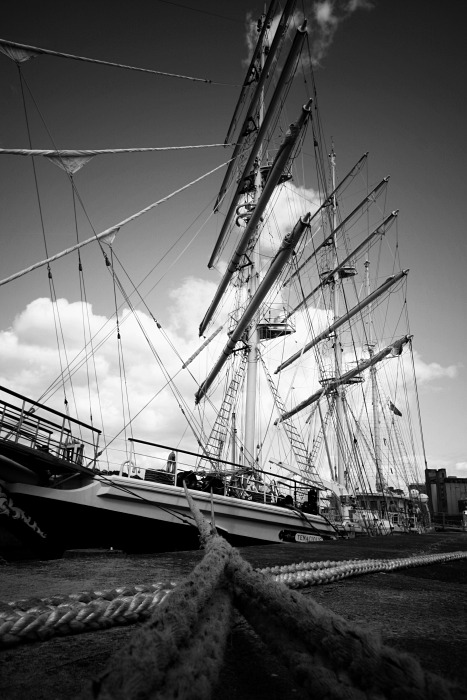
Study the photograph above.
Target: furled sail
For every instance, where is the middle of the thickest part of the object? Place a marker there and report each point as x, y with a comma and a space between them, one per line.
17, 52
283, 78
280, 259
379, 231
73, 160
390, 282
393, 349
277, 168
23, 52
365, 203
338, 190
251, 69
257, 94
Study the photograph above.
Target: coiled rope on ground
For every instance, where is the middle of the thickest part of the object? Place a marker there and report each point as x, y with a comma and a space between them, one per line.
178, 651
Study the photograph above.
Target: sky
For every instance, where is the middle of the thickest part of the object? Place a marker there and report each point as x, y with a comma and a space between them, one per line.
390, 80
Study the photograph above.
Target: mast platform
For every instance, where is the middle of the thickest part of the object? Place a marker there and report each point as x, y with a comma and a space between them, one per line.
270, 329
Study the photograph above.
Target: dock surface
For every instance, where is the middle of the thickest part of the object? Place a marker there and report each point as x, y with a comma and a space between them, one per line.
418, 610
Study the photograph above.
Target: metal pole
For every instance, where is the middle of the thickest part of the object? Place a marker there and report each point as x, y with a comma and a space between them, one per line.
337, 346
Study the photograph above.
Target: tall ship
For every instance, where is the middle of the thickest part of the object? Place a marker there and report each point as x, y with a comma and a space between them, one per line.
298, 398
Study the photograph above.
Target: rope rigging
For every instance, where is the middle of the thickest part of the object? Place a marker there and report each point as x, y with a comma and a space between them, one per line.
63, 154
65, 373
109, 231
59, 335
21, 53
121, 362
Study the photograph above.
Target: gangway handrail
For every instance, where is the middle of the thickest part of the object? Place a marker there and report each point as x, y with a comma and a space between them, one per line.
50, 410
31, 418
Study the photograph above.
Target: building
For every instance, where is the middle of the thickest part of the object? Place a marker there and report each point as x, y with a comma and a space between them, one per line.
447, 499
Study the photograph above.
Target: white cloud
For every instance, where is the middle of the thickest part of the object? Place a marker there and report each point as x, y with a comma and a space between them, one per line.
32, 326
30, 362
324, 18
191, 299
323, 12
430, 372
283, 212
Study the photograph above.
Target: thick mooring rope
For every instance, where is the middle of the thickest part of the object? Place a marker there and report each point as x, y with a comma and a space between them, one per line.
308, 574
178, 652
327, 655
38, 619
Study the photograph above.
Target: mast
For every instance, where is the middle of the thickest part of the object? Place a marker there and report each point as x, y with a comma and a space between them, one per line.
264, 124
374, 387
277, 168
390, 282
262, 76
340, 188
234, 438
394, 349
280, 259
247, 248
327, 278
252, 70
360, 208
335, 313
253, 340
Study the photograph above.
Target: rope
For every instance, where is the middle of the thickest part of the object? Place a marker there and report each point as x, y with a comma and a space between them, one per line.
41, 619
113, 229
36, 619
102, 151
32, 50
326, 654
190, 627
308, 574
178, 652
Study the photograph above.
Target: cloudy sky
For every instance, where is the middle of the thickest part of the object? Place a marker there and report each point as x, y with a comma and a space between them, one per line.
390, 79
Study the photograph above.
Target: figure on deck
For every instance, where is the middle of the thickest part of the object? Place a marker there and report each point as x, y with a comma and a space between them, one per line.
171, 463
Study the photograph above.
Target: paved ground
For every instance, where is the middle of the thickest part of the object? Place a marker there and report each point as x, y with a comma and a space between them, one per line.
421, 610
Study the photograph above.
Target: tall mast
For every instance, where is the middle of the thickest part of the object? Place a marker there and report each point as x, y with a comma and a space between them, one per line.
374, 386
253, 334
267, 64
335, 312
267, 120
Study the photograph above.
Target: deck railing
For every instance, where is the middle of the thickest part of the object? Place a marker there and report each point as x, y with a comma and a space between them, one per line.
229, 479
30, 423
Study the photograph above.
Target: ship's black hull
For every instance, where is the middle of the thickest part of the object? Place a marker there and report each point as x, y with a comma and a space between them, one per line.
75, 526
